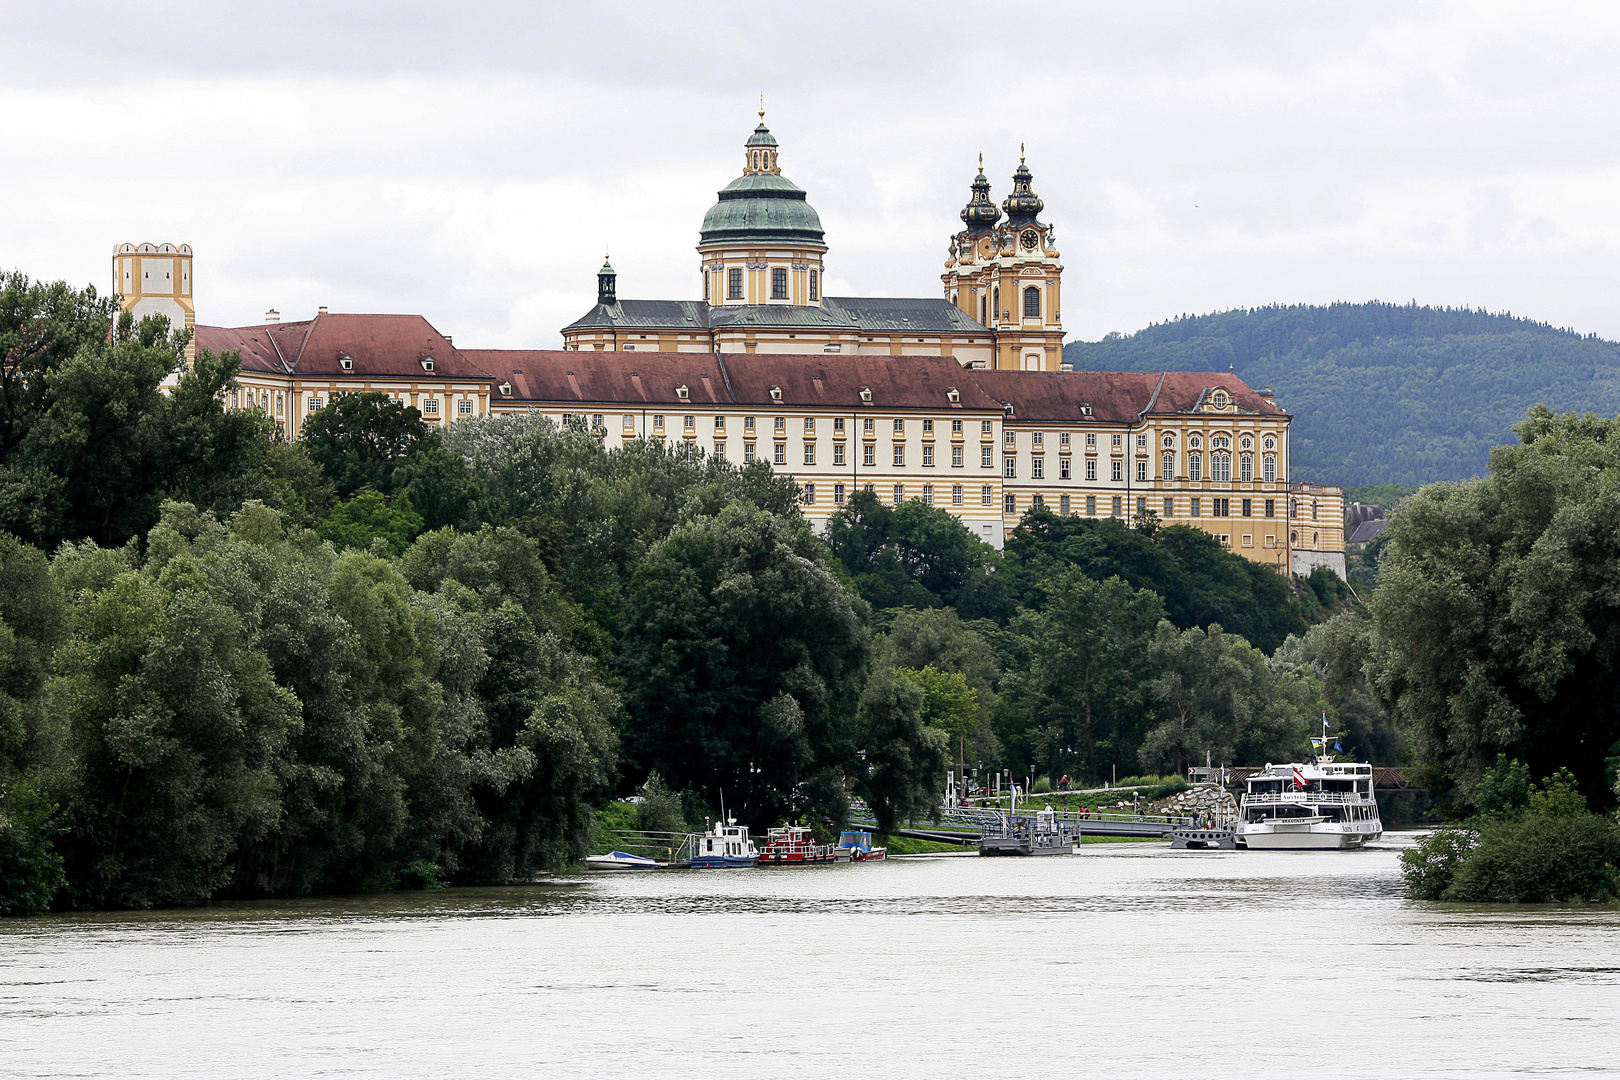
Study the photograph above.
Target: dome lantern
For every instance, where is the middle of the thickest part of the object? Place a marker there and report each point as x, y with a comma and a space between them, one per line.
980, 215
1023, 204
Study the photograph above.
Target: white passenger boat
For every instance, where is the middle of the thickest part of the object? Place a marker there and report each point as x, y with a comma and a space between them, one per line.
620, 860
1318, 803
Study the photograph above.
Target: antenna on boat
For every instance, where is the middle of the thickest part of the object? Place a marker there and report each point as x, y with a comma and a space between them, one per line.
722, 807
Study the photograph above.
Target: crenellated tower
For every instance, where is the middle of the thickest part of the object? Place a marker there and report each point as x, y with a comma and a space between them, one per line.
1008, 273
155, 279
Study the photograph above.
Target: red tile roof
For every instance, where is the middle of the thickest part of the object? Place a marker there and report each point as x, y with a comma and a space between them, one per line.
381, 346
836, 381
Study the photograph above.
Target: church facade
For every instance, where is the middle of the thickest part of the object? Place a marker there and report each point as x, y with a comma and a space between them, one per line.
762, 267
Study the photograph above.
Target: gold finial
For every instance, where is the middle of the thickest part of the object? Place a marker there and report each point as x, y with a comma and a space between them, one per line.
981, 161
1020, 153
762, 106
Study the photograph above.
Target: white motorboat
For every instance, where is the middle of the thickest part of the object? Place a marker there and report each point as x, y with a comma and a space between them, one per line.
726, 846
619, 860
1318, 803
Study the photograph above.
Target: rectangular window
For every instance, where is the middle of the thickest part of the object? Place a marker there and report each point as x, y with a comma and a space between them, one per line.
1091, 468
1248, 540
1063, 468
1063, 438
956, 457
1271, 508
838, 494
956, 494
1032, 302
628, 422
748, 452
1009, 437
986, 496
868, 424
809, 423
928, 457
809, 453
1141, 505
899, 427
430, 407
719, 423
1169, 508
899, 453
868, 455
899, 494
1091, 438
781, 453
985, 427
1091, 506
1248, 505
734, 283
1037, 438
928, 427
815, 285
720, 450
809, 494
1036, 502
1118, 470
658, 421
1118, 440
838, 423
956, 427
1037, 468
1009, 467
1141, 438
596, 421
928, 494
779, 283
1271, 541
1194, 512
748, 423
1009, 505
314, 404
1119, 505
689, 422
838, 453
1063, 504
781, 423
1141, 472
1167, 466
986, 457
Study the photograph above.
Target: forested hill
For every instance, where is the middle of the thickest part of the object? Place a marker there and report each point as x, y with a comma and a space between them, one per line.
1382, 393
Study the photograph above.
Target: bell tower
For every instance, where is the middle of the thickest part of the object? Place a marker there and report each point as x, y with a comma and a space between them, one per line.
1008, 274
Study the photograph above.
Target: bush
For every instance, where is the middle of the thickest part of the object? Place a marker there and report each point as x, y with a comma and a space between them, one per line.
1431, 866
660, 808
1540, 858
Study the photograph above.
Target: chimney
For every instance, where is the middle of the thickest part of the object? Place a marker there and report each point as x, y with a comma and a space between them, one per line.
272, 316
321, 310
449, 340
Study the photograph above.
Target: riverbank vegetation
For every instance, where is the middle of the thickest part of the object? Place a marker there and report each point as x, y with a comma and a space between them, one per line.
389, 655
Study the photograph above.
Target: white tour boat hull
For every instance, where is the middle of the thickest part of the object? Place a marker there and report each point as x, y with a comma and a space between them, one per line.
1300, 838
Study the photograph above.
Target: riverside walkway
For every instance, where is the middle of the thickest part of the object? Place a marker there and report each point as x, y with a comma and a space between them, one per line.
964, 825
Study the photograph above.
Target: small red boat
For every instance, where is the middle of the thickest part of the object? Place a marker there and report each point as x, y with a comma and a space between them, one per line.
795, 845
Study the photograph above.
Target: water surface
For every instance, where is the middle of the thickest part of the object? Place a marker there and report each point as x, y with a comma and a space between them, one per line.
1126, 960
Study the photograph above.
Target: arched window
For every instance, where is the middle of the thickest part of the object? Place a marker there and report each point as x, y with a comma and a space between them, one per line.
995, 305
1032, 302
705, 284
756, 159
1246, 468
983, 303
1271, 468
1220, 467
1167, 467
1195, 466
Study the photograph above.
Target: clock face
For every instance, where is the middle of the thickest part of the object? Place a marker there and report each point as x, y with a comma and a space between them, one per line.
1030, 239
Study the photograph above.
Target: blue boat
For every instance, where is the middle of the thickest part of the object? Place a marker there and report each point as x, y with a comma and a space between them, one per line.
858, 844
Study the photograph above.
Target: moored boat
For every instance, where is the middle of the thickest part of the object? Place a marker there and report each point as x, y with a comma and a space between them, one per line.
620, 860
795, 845
858, 843
726, 846
1318, 803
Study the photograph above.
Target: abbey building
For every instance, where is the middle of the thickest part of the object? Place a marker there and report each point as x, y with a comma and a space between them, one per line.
762, 264
960, 401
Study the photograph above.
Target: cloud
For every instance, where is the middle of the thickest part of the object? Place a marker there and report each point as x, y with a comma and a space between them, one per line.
472, 163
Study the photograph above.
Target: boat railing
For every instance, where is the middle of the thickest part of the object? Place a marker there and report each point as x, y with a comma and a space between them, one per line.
1339, 798
672, 848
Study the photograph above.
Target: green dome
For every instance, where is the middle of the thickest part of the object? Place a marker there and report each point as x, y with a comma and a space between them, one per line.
761, 137
762, 208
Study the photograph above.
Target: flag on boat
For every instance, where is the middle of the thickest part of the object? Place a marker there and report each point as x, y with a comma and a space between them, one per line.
1299, 778
1338, 747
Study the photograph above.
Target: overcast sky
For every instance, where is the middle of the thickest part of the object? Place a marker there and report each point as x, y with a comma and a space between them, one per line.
470, 162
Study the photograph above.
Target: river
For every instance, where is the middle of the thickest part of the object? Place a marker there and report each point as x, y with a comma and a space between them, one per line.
1126, 960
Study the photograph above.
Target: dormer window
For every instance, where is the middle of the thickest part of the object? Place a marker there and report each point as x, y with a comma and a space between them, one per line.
866, 394
776, 393
505, 389
427, 363
1085, 410
1218, 399
953, 395
683, 392
346, 362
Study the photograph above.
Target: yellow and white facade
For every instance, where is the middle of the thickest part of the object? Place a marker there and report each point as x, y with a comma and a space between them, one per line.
155, 279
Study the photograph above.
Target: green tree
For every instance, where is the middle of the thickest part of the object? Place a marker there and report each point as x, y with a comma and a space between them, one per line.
914, 555
741, 660
903, 756
359, 440
368, 517
1491, 621
949, 705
